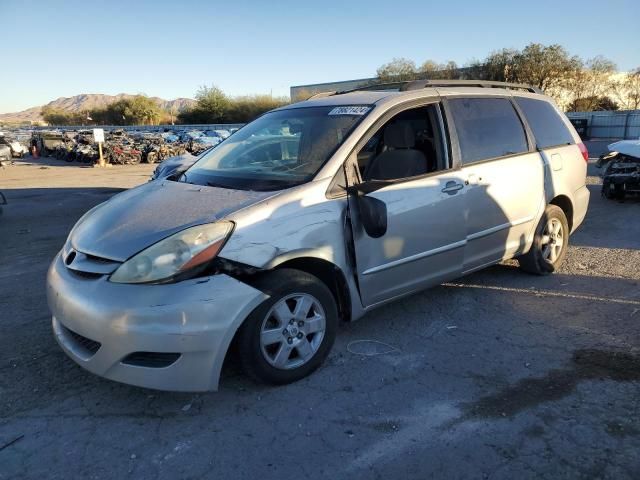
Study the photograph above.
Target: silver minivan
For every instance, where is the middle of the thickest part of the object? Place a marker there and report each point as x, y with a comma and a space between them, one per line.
312, 214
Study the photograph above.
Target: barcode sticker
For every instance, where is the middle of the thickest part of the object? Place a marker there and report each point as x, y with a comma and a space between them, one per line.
350, 110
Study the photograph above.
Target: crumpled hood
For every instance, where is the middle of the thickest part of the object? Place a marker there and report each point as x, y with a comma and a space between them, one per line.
626, 147
140, 217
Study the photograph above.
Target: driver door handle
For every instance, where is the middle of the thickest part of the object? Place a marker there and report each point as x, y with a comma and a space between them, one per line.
452, 187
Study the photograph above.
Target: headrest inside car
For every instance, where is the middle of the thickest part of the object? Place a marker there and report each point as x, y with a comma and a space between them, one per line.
399, 135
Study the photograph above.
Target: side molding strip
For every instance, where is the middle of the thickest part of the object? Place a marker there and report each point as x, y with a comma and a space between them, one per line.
497, 228
415, 257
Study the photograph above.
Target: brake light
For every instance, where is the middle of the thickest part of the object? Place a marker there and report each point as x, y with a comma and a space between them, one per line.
584, 151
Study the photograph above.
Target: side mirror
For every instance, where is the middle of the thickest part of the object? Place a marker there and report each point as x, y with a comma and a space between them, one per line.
372, 211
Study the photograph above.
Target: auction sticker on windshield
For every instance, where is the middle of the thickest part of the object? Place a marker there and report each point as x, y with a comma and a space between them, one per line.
350, 110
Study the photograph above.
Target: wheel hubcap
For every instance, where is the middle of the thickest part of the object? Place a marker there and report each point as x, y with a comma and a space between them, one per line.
292, 331
552, 240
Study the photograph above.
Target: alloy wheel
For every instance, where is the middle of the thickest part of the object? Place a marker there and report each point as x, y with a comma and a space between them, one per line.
292, 331
552, 241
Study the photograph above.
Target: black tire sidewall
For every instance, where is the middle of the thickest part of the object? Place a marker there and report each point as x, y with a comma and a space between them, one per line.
279, 284
545, 266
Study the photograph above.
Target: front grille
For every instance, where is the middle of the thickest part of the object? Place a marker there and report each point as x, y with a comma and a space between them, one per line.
89, 266
87, 275
151, 359
91, 346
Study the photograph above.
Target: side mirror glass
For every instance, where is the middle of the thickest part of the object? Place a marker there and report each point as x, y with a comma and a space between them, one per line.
372, 211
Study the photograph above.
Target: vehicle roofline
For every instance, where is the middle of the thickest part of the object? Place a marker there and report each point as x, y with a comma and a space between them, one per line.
355, 97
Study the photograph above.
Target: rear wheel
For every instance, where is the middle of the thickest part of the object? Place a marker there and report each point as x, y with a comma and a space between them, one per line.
549, 243
290, 334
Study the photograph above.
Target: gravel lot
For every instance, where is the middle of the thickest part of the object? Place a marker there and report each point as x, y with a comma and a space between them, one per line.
497, 375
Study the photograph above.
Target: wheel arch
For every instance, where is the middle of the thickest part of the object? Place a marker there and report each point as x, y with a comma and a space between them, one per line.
329, 274
565, 204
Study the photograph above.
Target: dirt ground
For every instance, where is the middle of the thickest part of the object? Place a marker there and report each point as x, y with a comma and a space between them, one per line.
496, 375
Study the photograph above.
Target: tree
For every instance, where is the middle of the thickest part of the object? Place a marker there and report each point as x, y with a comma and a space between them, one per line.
589, 104
450, 71
141, 110
56, 116
245, 109
397, 70
632, 85
438, 71
497, 67
138, 110
545, 67
627, 90
589, 86
430, 68
211, 106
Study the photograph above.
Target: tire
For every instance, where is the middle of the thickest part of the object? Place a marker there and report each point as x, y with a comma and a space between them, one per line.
546, 254
611, 191
291, 351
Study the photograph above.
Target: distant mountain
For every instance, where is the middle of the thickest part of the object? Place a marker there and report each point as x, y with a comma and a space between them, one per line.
89, 101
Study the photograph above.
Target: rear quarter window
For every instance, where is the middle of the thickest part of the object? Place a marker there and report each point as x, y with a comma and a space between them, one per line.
487, 128
548, 128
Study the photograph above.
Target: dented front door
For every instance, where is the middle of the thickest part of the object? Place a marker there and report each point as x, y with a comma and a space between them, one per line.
424, 241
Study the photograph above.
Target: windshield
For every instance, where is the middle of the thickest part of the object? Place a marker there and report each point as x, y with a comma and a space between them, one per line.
279, 150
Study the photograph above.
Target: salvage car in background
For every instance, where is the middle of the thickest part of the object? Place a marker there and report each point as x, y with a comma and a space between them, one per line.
172, 166
5, 155
17, 148
621, 169
316, 212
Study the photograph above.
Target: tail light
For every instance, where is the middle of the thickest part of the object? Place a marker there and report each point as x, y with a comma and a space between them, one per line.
584, 151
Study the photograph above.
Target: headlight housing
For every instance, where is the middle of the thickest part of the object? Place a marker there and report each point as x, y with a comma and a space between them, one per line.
175, 255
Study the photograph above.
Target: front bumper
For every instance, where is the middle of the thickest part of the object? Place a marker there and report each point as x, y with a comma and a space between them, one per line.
196, 319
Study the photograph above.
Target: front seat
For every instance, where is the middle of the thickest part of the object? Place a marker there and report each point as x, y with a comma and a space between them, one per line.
400, 160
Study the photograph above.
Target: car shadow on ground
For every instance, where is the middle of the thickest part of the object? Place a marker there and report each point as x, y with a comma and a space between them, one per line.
606, 216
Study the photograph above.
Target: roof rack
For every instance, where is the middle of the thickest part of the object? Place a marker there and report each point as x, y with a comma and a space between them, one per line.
375, 86
419, 84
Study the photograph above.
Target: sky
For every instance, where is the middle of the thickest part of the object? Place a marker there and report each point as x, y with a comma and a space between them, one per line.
169, 48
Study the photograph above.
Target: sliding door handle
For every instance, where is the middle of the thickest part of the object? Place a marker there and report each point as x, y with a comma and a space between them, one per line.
452, 188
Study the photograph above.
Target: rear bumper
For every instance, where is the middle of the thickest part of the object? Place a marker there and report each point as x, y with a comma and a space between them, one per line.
196, 319
580, 206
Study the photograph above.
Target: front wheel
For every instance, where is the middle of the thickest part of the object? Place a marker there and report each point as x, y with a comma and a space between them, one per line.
290, 334
549, 243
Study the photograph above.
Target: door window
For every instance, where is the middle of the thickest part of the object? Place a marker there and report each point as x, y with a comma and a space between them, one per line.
548, 128
408, 145
487, 128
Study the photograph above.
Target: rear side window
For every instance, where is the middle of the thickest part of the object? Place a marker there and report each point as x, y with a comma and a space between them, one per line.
545, 122
487, 128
